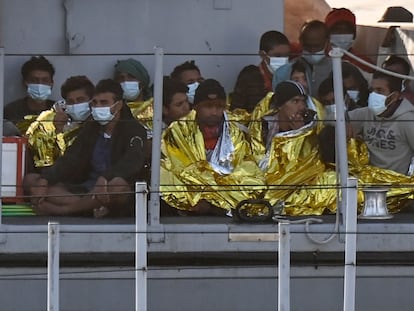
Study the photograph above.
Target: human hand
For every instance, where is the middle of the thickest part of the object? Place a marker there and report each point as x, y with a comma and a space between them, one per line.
100, 191
60, 119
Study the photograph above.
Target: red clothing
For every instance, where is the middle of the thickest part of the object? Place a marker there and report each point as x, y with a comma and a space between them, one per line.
211, 135
267, 77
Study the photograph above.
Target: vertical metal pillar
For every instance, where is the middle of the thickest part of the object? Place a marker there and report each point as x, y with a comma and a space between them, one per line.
53, 266
350, 245
284, 267
1, 123
156, 139
140, 246
340, 145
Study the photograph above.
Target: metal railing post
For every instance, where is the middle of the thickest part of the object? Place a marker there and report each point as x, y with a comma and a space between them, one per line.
284, 267
53, 266
1, 125
156, 139
140, 246
350, 245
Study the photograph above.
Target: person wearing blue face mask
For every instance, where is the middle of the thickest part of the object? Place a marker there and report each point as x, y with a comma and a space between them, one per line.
314, 40
97, 173
135, 82
342, 33
55, 129
386, 124
37, 76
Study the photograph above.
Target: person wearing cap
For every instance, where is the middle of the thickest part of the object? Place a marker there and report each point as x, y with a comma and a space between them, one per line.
97, 173
341, 24
135, 82
284, 145
207, 150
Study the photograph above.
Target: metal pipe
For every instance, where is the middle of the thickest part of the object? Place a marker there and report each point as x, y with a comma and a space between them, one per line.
140, 246
283, 296
350, 245
340, 145
156, 139
1, 127
53, 266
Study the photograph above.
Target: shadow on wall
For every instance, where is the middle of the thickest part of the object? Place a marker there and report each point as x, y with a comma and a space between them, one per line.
298, 12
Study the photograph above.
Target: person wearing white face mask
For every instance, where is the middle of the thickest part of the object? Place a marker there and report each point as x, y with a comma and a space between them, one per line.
37, 75
274, 51
55, 129
96, 174
314, 40
342, 33
135, 82
386, 125
189, 74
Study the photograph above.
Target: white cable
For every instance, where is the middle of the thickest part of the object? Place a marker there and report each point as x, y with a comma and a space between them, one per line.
364, 62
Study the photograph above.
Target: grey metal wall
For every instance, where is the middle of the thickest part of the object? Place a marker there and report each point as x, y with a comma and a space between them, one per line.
241, 288
117, 28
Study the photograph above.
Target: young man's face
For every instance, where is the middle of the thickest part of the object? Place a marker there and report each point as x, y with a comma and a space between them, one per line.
106, 99
380, 86
342, 28
191, 76
124, 77
327, 99
178, 107
39, 77
300, 78
314, 40
76, 97
210, 112
279, 50
350, 83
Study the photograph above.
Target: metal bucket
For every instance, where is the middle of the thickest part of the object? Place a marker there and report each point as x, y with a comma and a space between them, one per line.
375, 204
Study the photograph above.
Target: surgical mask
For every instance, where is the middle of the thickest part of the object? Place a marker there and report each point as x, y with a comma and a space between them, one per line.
344, 41
39, 91
191, 91
102, 115
376, 102
276, 62
131, 89
78, 112
353, 94
314, 58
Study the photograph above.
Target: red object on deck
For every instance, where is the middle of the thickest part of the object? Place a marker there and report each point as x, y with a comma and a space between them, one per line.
13, 169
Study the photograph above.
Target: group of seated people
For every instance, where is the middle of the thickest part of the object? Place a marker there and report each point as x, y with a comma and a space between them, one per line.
270, 139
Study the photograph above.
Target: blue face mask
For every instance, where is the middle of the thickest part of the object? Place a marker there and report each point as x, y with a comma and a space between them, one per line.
78, 112
39, 91
103, 115
376, 102
131, 89
314, 58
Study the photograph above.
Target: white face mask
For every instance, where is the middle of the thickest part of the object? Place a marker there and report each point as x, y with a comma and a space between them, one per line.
103, 115
39, 91
376, 102
314, 58
344, 41
276, 62
78, 112
353, 94
131, 89
191, 91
